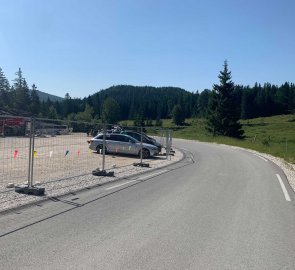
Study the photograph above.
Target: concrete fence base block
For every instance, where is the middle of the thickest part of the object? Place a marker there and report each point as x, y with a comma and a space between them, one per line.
25, 189
10, 185
99, 172
139, 164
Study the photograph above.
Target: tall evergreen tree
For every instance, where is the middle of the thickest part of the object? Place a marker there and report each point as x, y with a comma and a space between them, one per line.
246, 105
35, 101
178, 115
86, 115
52, 114
222, 118
110, 111
203, 101
5, 100
21, 92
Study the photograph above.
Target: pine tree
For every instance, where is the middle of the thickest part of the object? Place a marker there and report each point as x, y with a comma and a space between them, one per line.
35, 101
110, 111
21, 92
246, 105
222, 117
203, 101
178, 115
5, 100
52, 114
87, 115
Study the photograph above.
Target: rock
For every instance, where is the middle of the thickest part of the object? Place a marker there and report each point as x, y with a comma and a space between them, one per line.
10, 185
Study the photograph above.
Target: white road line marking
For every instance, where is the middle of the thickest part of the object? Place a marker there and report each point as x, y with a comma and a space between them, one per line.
138, 179
287, 197
260, 157
121, 184
152, 175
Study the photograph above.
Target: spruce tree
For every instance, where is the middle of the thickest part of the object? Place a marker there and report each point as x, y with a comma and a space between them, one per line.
110, 111
223, 117
178, 116
22, 98
35, 101
5, 99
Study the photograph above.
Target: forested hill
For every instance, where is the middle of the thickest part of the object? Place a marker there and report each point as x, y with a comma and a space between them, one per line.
123, 102
45, 96
150, 102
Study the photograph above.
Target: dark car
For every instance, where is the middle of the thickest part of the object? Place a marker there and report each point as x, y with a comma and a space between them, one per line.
145, 138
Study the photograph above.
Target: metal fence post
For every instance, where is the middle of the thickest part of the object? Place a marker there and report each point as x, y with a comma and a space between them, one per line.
33, 151
30, 154
170, 142
3, 128
104, 147
140, 144
167, 150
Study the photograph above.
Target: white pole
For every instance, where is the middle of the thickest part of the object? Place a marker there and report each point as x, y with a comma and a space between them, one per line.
140, 144
103, 147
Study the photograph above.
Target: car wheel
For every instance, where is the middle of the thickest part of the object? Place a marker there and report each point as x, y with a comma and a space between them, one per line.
145, 153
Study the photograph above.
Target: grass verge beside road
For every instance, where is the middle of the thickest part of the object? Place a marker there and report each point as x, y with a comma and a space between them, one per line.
272, 135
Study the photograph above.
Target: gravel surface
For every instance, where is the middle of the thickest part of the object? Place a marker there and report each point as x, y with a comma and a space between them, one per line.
55, 158
9, 199
288, 168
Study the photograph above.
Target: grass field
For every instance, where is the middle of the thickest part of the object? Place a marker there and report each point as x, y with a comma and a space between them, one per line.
272, 135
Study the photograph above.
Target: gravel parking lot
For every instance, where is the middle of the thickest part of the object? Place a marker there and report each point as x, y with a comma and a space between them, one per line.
55, 158
62, 164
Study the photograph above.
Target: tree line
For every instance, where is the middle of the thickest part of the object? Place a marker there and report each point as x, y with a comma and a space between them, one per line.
144, 104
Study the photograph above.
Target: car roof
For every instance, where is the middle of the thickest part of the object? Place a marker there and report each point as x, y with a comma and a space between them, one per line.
135, 132
115, 134
131, 131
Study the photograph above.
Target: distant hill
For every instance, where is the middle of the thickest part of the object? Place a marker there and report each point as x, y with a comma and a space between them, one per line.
44, 96
151, 102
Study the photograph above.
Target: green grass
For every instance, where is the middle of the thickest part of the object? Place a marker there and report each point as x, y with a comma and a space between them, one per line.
272, 135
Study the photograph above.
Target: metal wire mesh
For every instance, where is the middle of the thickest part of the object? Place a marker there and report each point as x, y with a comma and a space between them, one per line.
61, 149
14, 149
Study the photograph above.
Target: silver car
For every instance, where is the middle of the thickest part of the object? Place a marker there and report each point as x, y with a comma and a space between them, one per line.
122, 144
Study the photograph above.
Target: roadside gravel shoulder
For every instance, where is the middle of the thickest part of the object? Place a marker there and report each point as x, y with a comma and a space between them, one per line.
288, 168
9, 199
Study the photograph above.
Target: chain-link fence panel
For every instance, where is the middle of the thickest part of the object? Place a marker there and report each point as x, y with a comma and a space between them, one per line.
61, 149
45, 150
14, 150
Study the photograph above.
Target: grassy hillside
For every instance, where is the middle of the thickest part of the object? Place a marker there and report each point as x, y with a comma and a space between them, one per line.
272, 135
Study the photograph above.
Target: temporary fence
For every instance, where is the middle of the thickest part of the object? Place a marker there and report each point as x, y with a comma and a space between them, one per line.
37, 150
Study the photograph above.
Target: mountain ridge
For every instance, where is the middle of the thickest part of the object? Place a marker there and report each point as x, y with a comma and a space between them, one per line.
43, 96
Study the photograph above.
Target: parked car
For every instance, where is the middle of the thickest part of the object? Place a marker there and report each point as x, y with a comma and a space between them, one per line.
122, 144
145, 138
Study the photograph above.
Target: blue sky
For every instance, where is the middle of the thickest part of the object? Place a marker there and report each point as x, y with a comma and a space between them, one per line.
82, 46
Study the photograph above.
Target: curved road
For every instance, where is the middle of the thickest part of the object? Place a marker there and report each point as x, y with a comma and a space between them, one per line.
220, 208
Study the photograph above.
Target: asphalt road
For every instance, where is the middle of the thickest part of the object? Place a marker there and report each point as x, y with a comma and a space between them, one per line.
220, 208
